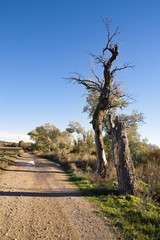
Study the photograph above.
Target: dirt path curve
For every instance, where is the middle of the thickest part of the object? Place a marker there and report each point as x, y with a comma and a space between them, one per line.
38, 202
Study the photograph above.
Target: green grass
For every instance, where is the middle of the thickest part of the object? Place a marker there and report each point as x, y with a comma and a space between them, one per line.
133, 217
6, 158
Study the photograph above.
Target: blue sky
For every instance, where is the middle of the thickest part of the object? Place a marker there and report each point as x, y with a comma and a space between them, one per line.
42, 41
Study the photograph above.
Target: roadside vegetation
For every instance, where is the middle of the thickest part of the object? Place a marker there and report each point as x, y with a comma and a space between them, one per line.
10, 151
8, 156
135, 217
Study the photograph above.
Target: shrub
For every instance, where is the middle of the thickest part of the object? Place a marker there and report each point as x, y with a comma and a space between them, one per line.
20, 153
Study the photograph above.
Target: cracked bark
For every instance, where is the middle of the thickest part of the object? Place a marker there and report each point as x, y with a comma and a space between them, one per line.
123, 161
97, 126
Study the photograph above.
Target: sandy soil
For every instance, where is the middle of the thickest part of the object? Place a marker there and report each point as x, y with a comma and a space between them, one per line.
37, 201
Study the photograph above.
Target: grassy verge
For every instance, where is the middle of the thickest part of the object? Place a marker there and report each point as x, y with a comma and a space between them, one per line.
6, 158
134, 217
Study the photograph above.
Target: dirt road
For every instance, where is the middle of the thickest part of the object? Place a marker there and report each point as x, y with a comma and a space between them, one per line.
37, 201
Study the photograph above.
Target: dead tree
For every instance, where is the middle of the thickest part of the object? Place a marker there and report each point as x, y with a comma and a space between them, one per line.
122, 158
107, 91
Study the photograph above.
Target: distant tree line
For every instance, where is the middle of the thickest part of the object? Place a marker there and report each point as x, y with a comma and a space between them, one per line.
49, 139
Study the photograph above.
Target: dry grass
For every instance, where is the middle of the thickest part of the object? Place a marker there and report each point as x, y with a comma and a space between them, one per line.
6, 157
148, 177
137, 217
149, 180
85, 164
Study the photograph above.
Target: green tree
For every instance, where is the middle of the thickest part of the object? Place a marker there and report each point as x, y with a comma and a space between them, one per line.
84, 140
132, 123
49, 138
21, 143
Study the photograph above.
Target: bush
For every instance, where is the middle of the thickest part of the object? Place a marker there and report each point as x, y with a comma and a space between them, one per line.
20, 153
149, 174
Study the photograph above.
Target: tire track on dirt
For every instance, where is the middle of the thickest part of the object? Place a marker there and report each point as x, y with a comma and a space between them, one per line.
38, 202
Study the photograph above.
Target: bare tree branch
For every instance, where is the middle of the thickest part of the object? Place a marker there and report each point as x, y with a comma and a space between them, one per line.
88, 83
126, 65
115, 52
110, 41
94, 74
98, 59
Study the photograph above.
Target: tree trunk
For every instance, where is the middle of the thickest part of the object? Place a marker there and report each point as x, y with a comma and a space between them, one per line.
97, 126
101, 157
123, 162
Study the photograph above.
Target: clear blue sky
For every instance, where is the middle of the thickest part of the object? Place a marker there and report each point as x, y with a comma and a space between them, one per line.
42, 41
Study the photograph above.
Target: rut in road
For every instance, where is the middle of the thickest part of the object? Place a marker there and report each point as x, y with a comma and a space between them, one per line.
37, 201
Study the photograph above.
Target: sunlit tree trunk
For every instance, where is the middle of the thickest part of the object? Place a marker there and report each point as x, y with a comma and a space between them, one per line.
123, 161
101, 157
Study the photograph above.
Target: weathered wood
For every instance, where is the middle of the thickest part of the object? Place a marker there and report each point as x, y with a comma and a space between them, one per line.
101, 157
123, 161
